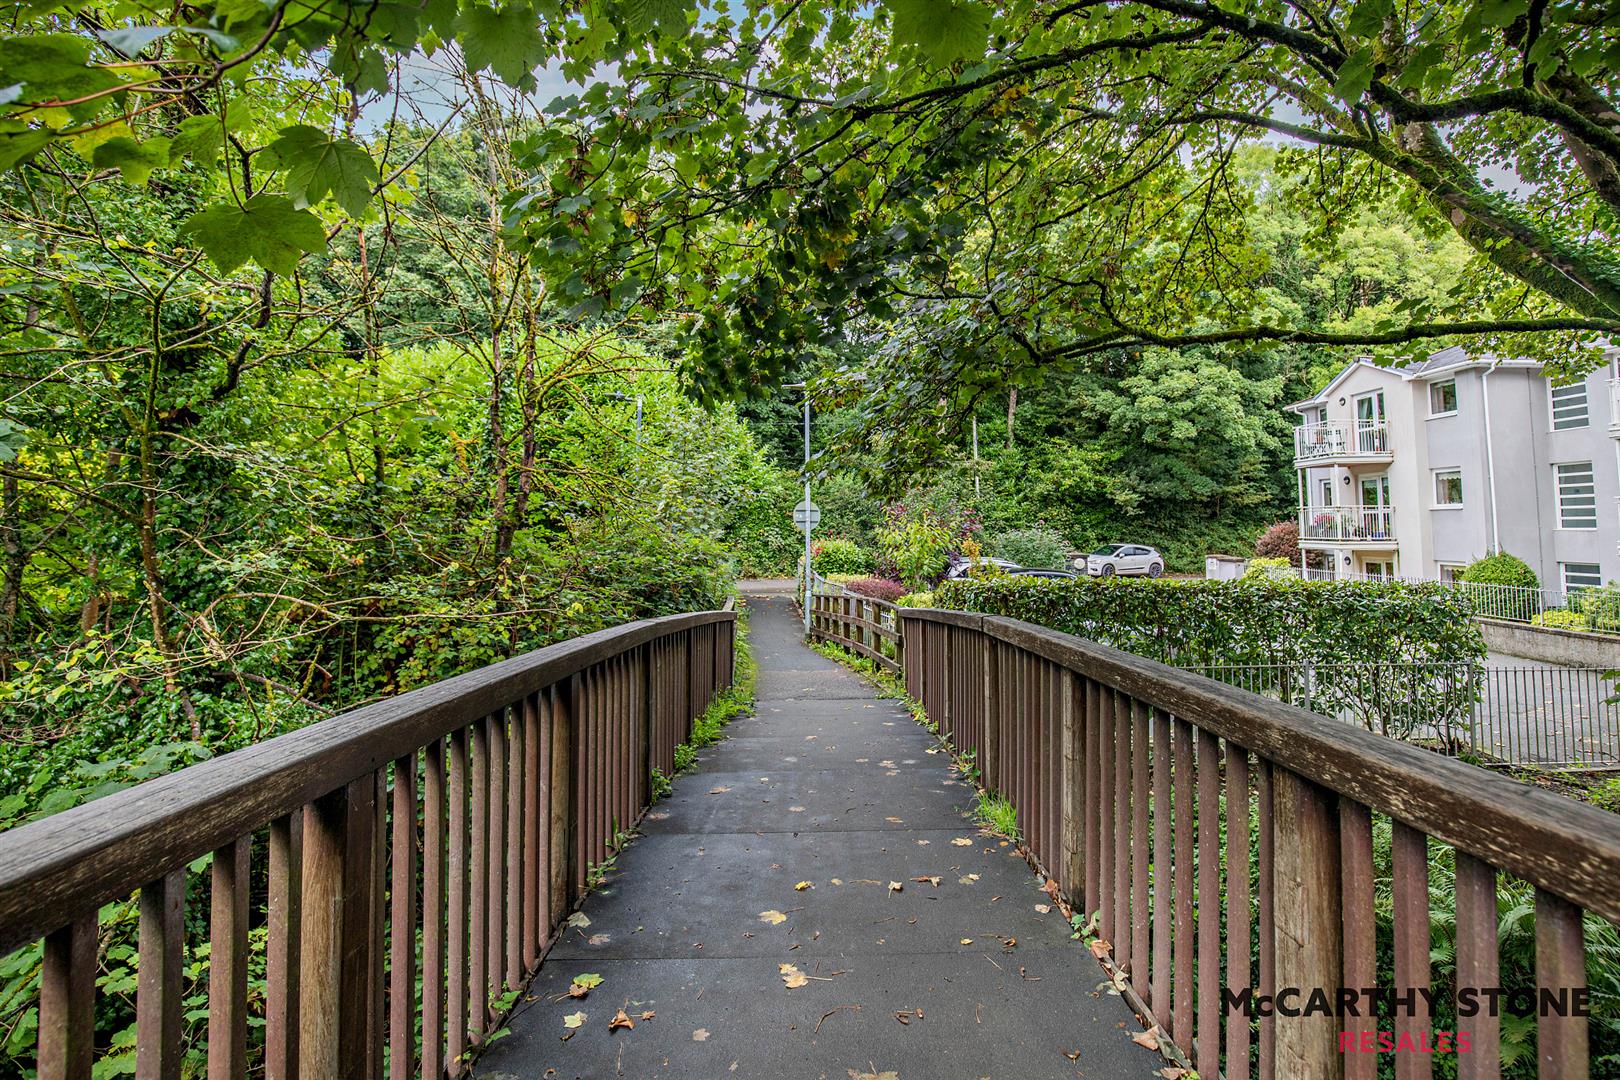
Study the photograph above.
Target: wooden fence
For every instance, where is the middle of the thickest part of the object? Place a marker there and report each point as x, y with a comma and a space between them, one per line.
864, 625
446, 832
1124, 772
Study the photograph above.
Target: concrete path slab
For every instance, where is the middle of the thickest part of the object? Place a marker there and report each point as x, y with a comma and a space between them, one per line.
956, 974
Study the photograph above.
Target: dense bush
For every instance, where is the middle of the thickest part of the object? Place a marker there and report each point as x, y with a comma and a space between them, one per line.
1559, 619
1269, 568
1037, 547
1500, 568
840, 557
1600, 608
1280, 541
1341, 631
917, 541
877, 588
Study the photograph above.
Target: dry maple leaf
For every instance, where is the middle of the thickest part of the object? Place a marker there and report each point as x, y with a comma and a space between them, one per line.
803, 885
895, 886
1101, 949
718, 790
700, 1035
1172, 1072
648, 1015
934, 881
963, 841
621, 1019
774, 917
584, 984
967, 879
573, 1020
1148, 1038
792, 976
1043, 909
1072, 1055
967, 941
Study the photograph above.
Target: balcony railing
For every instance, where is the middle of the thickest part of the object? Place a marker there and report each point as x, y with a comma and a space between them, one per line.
1347, 524
1341, 439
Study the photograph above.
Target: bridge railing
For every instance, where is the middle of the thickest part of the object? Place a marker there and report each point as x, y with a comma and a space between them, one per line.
409, 862
862, 624
1226, 842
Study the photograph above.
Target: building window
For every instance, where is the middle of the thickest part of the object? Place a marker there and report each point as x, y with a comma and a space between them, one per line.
1569, 407
1577, 496
1450, 573
1443, 398
1448, 487
1581, 575
1327, 493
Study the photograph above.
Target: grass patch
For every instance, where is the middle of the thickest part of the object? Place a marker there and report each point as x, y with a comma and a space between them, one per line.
996, 813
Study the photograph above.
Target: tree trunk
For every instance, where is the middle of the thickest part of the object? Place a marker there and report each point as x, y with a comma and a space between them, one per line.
1012, 408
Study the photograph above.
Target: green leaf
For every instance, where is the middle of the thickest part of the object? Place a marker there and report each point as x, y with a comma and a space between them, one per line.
1367, 17
200, 138
269, 230
136, 160
318, 164
642, 16
54, 67
506, 41
944, 31
1355, 75
132, 40
17, 146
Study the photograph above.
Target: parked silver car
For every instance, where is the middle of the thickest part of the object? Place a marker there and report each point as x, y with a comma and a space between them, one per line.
1122, 559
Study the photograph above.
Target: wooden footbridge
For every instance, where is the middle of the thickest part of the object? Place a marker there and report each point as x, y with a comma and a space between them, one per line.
385, 886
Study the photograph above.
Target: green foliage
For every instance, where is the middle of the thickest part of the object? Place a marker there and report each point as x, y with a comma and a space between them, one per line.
1269, 568
840, 557
997, 814
1600, 608
1500, 568
1559, 619
1038, 547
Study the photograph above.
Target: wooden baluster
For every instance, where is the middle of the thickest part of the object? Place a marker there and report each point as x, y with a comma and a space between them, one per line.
1307, 928
433, 918
1237, 906
1107, 741
1478, 962
227, 961
1091, 731
335, 938
478, 850
1163, 859
516, 758
1121, 720
1409, 855
1181, 1010
1360, 930
1071, 810
495, 895
281, 947
533, 875
565, 791
402, 939
158, 989
458, 1004
1268, 926
1141, 919
377, 976
67, 1002
1561, 1041
1208, 1034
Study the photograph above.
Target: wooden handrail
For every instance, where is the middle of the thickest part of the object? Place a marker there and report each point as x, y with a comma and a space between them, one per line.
511, 781
1114, 761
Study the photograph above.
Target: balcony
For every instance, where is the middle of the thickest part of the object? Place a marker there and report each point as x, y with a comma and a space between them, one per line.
1342, 442
1370, 525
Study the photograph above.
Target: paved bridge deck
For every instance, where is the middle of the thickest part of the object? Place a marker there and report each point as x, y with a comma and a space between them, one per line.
831, 785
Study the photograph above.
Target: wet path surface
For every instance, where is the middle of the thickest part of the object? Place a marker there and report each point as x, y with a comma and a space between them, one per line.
956, 973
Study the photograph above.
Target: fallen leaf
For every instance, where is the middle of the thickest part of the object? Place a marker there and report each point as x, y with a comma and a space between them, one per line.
905, 1015
600, 939
895, 886
792, 976
795, 809
1172, 1072
934, 881
573, 1020
700, 1035
922, 843
648, 1015
1148, 1039
1072, 1055
718, 790
967, 879
963, 841
578, 919
584, 984
1043, 908
621, 1019
1101, 949
887, 1075
803, 885
837, 881
773, 917
894, 820
967, 941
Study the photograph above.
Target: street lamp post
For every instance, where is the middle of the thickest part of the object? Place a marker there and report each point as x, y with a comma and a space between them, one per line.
808, 523
620, 395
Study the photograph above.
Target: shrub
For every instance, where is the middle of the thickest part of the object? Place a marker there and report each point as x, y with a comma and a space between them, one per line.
916, 600
1038, 547
840, 557
1600, 607
1500, 568
877, 588
1279, 541
918, 541
1278, 568
1557, 619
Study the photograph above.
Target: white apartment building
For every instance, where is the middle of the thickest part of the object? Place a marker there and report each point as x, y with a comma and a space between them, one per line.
1416, 471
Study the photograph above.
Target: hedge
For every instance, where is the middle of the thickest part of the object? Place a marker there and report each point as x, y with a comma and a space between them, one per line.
1260, 620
